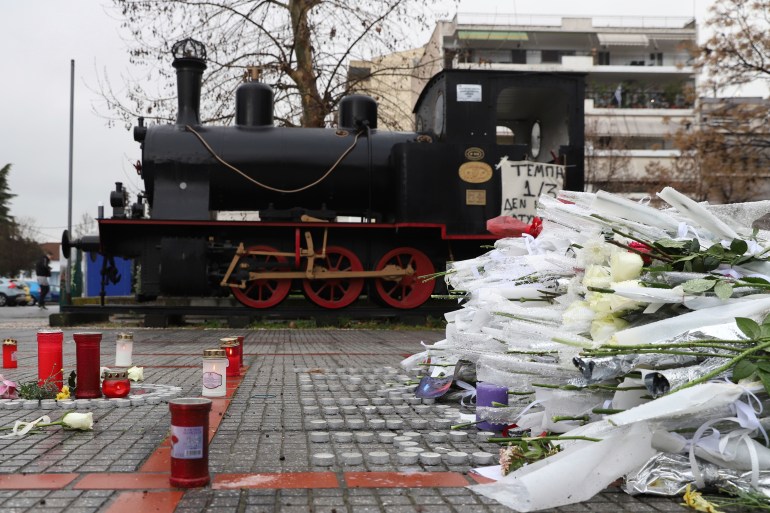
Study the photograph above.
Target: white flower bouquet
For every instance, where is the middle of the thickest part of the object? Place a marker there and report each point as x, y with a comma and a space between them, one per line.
620, 323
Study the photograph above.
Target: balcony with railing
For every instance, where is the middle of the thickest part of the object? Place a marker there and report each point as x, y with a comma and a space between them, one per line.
549, 20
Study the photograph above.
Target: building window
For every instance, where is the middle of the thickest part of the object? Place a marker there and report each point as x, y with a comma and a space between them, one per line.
656, 59
603, 58
551, 56
519, 56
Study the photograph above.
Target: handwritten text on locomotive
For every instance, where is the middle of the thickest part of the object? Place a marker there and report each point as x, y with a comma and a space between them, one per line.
523, 182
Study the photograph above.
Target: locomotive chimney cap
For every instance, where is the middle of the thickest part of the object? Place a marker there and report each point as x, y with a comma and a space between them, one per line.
189, 49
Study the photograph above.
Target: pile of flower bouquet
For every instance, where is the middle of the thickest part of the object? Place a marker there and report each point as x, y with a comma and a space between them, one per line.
633, 341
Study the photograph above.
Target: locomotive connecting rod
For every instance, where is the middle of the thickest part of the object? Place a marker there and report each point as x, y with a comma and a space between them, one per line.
311, 272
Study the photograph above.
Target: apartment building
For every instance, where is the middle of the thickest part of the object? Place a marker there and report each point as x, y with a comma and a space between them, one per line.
640, 84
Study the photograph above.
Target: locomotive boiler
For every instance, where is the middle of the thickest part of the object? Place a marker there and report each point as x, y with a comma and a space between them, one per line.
260, 211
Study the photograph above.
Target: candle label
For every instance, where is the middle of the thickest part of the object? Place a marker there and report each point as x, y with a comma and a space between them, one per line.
212, 380
13, 356
187, 442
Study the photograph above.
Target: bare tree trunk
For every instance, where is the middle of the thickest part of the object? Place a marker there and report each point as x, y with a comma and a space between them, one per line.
313, 110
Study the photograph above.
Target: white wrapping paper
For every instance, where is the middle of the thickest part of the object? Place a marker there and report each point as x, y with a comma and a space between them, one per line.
574, 475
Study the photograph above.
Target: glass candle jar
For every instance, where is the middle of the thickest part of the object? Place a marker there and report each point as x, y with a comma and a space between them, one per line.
230, 345
124, 350
214, 373
116, 384
87, 363
50, 360
9, 354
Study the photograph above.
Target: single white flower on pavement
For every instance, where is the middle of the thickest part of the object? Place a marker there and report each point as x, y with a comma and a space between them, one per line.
74, 420
136, 373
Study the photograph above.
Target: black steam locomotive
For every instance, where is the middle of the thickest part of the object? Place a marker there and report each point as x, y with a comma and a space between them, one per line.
260, 211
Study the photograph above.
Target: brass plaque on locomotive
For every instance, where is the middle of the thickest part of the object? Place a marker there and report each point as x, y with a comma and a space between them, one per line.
475, 197
475, 172
474, 153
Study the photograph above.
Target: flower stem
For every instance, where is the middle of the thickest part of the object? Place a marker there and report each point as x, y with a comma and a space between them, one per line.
467, 424
719, 370
544, 438
559, 418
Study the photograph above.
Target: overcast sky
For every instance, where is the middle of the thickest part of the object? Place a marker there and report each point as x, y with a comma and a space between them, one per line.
41, 37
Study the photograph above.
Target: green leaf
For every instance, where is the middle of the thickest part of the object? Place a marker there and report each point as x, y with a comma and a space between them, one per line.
749, 327
716, 250
765, 378
763, 366
670, 243
694, 246
764, 331
743, 369
723, 290
739, 246
698, 285
710, 263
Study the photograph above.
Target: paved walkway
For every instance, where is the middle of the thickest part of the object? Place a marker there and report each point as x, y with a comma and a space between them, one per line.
299, 386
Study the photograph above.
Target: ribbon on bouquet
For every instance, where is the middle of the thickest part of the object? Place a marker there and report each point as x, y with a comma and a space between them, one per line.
469, 392
715, 443
21, 428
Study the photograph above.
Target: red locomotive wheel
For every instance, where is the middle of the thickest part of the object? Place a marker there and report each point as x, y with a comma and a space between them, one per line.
263, 293
409, 291
335, 292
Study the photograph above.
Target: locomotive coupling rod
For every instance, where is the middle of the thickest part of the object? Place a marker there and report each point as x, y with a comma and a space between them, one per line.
389, 272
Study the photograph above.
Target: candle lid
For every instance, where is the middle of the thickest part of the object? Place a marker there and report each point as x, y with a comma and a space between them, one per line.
229, 340
115, 374
214, 353
9, 342
125, 336
49, 331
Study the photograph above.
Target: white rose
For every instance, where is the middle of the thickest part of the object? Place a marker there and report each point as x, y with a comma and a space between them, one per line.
625, 265
604, 328
74, 420
597, 276
136, 373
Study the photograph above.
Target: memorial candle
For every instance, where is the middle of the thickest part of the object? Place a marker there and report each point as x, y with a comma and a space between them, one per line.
50, 357
9, 354
124, 350
87, 347
214, 373
486, 394
230, 345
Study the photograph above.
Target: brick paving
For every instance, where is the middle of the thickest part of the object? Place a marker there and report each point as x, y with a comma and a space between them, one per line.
298, 384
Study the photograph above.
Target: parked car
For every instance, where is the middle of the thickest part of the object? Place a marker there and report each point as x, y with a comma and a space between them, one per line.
34, 291
14, 292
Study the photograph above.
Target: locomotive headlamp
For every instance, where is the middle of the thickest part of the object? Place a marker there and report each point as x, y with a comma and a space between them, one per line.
535, 140
189, 49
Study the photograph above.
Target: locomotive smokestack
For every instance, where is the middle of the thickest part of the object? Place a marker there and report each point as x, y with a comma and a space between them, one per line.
189, 62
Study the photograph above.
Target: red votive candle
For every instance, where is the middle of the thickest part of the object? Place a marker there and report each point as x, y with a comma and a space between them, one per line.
115, 384
230, 345
9, 354
87, 347
240, 348
49, 357
189, 441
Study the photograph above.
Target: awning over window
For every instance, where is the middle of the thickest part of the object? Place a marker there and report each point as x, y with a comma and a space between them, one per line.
623, 39
492, 35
